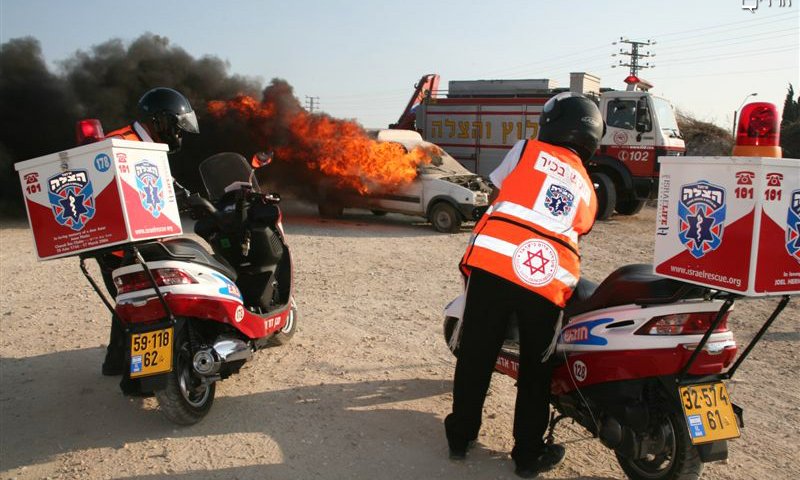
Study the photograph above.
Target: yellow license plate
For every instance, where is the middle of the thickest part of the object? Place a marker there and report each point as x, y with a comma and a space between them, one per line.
151, 352
709, 412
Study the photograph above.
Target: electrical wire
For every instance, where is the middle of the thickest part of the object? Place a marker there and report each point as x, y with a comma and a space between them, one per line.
751, 23
583, 399
712, 58
671, 51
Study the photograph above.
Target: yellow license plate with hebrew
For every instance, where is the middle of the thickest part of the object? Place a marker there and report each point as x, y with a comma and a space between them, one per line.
151, 352
709, 412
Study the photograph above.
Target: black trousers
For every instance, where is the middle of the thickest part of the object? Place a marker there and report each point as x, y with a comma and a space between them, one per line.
116, 342
490, 303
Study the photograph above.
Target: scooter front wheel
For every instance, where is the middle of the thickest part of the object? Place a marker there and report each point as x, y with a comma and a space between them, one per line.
286, 333
186, 398
678, 460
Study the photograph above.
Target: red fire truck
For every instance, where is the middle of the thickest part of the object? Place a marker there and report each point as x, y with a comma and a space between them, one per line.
478, 121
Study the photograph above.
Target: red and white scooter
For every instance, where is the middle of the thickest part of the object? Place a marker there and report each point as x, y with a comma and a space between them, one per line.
193, 318
641, 363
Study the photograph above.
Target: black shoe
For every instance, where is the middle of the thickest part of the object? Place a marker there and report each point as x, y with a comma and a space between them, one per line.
458, 450
530, 466
112, 370
113, 364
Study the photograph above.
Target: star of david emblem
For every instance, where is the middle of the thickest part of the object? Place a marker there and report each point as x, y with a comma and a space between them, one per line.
151, 194
559, 200
530, 261
148, 182
701, 212
73, 206
793, 226
700, 228
535, 262
71, 198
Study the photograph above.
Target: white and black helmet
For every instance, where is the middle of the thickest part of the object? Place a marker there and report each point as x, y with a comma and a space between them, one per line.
573, 121
166, 114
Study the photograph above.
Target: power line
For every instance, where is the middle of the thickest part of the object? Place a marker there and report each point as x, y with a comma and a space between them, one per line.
759, 71
728, 56
747, 39
757, 22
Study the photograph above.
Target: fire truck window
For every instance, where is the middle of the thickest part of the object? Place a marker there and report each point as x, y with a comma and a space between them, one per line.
621, 114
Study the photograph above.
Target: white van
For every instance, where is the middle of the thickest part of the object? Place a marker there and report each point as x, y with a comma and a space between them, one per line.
443, 191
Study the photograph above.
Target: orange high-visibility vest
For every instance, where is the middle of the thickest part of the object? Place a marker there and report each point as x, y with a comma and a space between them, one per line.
125, 133
529, 235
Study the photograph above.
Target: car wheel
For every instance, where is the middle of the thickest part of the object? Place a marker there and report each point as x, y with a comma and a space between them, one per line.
330, 210
445, 218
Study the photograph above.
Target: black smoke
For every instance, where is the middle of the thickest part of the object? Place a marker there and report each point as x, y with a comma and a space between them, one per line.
39, 108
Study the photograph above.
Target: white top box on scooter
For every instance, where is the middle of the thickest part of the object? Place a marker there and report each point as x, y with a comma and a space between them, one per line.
730, 223
98, 195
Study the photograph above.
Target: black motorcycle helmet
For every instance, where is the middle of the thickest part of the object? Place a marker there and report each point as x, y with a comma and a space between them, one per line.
166, 114
573, 121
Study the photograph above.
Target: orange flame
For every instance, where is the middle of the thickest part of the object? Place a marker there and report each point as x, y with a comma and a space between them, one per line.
336, 148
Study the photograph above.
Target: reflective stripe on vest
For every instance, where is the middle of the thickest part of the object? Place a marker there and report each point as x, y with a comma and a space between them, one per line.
531, 216
529, 236
531, 261
506, 248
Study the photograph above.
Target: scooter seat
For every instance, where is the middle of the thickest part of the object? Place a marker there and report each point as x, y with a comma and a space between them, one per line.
188, 250
632, 284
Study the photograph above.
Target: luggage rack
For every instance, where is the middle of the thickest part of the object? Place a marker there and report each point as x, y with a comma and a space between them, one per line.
730, 298
140, 260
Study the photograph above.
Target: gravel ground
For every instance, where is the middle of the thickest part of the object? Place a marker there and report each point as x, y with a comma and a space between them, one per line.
361, 390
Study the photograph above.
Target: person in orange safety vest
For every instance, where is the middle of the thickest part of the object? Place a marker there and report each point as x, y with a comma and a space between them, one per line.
523, 260
163, 115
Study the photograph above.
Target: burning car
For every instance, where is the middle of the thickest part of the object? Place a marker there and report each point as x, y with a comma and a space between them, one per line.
443, 191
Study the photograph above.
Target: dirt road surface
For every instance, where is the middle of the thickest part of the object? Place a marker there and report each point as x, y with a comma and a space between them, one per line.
360, 392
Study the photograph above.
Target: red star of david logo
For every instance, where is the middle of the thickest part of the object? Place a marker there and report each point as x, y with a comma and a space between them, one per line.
542, 263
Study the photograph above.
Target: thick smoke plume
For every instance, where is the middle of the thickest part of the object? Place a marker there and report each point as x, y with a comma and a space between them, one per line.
39, 110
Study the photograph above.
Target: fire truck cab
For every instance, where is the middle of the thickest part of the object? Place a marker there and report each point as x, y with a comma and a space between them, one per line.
640, 127
478, 121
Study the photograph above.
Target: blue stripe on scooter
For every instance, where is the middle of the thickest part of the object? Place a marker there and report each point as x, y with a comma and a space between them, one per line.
581, 334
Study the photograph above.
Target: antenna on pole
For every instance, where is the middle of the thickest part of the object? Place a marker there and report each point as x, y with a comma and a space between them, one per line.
310, 103
634, 62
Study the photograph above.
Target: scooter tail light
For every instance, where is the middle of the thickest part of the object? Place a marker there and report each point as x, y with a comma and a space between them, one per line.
694, 323
133, 282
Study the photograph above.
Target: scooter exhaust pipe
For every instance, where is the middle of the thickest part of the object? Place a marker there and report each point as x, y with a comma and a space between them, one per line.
207, 362
232, 350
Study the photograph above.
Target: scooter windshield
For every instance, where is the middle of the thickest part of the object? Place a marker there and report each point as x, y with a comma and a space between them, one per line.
223, 170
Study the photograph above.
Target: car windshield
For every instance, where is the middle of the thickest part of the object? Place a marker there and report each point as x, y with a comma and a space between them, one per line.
441, 161
665, 115
224, 169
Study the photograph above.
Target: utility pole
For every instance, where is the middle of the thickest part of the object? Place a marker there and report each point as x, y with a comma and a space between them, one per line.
635, 56
310, 103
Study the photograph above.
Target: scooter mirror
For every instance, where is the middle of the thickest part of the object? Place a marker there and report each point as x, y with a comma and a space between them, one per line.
261, 159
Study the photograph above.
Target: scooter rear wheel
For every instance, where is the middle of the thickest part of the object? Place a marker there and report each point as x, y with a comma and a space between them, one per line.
186, 398
679, 460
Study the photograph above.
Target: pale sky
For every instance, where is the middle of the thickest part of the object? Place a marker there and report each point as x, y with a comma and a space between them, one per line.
361, 58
